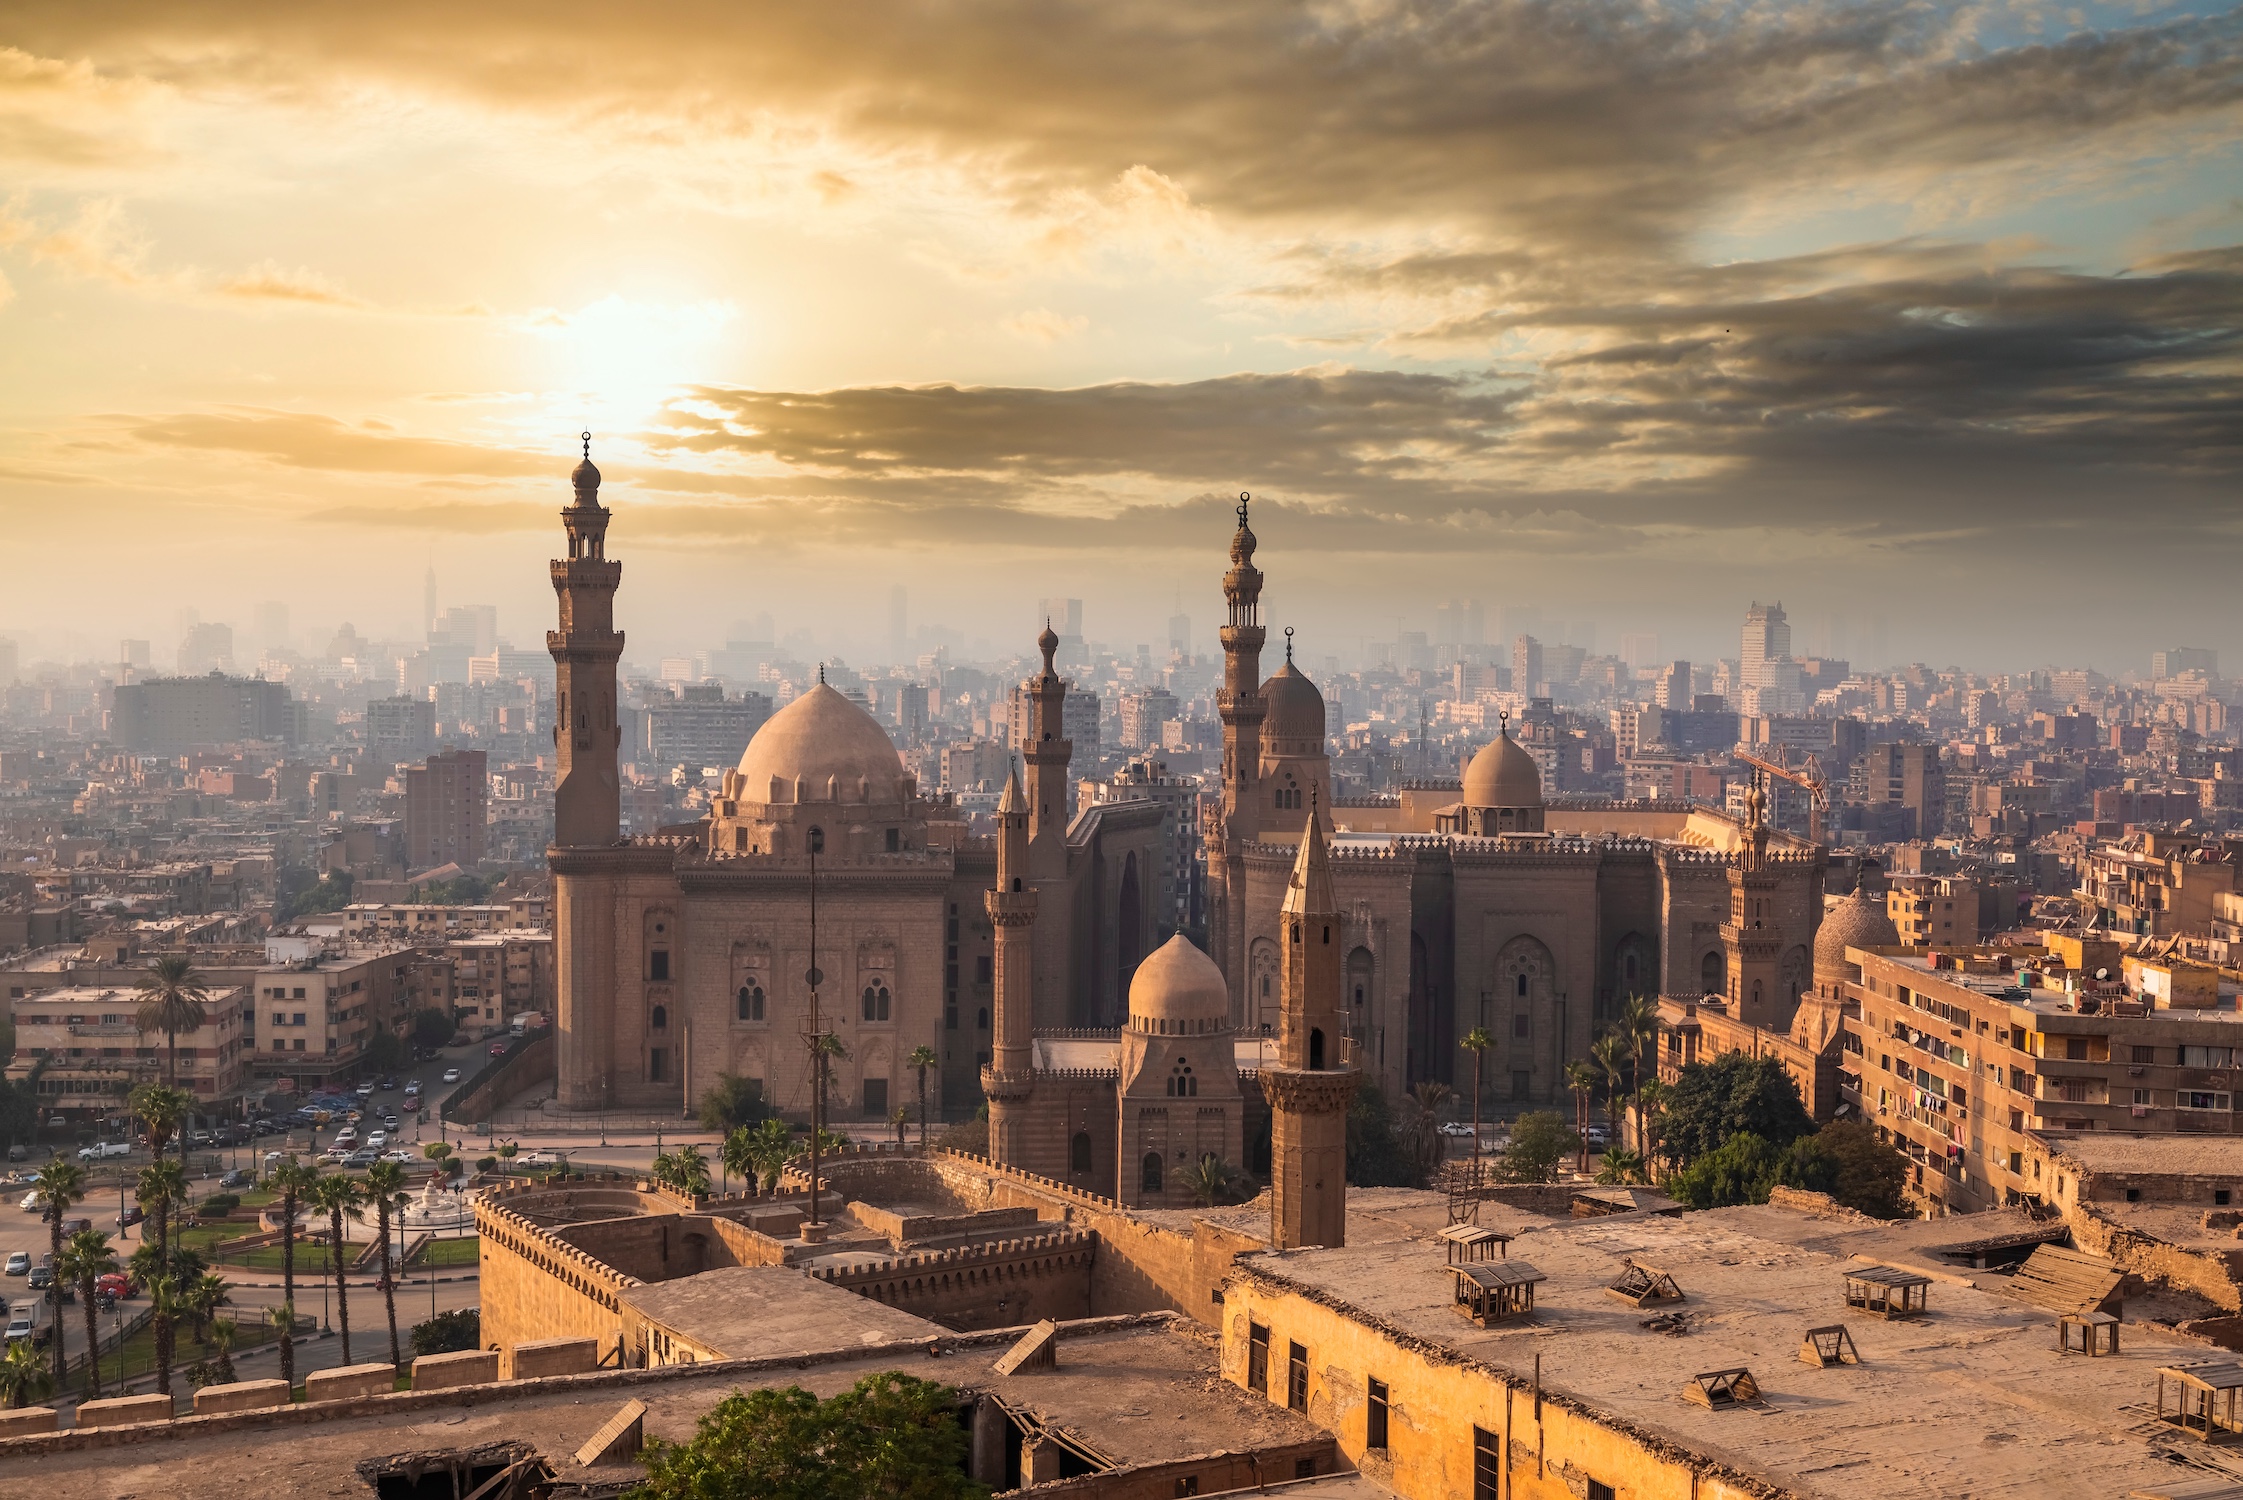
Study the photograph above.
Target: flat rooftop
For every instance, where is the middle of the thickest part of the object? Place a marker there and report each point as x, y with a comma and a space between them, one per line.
2047, 1002
1970, 1400
765, 1312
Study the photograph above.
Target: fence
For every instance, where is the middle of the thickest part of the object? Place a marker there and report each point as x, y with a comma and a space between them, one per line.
482, 1093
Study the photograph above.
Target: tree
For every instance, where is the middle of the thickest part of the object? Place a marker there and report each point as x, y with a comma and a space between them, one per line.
59, 1185
24, 1376
385, 1189
1639, 1023
1376, 1156
223, 1333
167, 1304
1422, 1126
1847, 1161
891, 1435
1742, 1169
1209, 1180
1733, 1094
921, 1059
162, 1188
732, 1101
1477, 1041
291, 1180
163, 1110
441, 1153
203, 1297
1539, 1141
433, 1027
386, 1050
1581, 1077
85, 1260
736, 1155
337, 1195
1619, 1166
449, 1333
1610, 1053
174, 999
770, 1147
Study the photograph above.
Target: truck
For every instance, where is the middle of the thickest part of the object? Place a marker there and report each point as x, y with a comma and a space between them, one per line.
527, 1021
103, 1150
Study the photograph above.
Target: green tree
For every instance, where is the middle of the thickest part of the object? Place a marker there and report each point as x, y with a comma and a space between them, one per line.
204, 1296
1742, 1169
732, 1101
1540, 1140
1581, 1077
1376, 1155
1610, 1053
1477, 1041
223, 1334
1638, 1021
167, 1304
736, 1156
922, 1058
386, 1191
889, 1435
60, 1184
433, 1027
386, 1051
24, 1376
173, 1000
1847, 1161
449, 1333
1421, 1127
290, 1181
1619, 1166
1734, 1094
85, 1259
301, 897
1209, 1180
338, 1195
163, 1110
770, 1146
692, 1171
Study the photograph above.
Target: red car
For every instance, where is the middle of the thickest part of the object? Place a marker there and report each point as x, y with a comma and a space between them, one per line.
412, 1102
117, 1285
498, 1049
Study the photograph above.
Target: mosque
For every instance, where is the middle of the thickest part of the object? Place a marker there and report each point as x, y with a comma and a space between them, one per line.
1349, 938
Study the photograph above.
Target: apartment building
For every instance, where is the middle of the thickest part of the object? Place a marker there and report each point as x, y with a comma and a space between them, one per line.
495, 975
90, 1055
447, 810
2155, 884
370, 919
1933, 911
1960, 1058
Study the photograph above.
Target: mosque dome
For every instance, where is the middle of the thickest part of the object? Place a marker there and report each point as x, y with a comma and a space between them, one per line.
1179, 983
586, 477
1503, 775
830, 746
1857, 921
1295, 709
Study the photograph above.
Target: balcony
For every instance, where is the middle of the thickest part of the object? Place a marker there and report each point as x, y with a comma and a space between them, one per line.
2065, 1067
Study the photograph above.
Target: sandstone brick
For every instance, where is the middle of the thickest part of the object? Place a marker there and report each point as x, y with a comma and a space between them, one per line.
122, 1411
29, 1420
241, 1395
538, 1357
434, 1372
351, 1380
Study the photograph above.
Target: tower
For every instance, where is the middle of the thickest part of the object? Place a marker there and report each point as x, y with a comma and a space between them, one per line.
1047, 753
1239, 702
1314, 1080
1009, 1078
587, 803
1751, 940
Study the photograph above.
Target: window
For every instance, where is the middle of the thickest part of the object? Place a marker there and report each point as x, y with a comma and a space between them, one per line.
876, 1098
654, 1065
2133, 1195
1257, 1358
1181, 1082
1296, 1378
1601, 1491
2207, 1057
894, 840
981, 1018
2017, 1163
751, 1001
1078, 1152
2199, 1099
1521, 990
876, 1001
2220, 1197
1487, 1464
983, 971
658, 964
1374, 1432
299, 1018
2145, 1054
1522, 1027
1149, 1174
950, 1018
2142, 1096
1188, 1485
2075, 1049
659, 1018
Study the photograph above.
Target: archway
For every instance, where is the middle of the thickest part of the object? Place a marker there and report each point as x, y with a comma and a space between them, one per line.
1713, 973
1149, 1176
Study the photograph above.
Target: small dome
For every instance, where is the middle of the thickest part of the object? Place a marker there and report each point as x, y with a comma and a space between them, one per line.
1503, 775
822, 738
586, 478
1856, 921
1295, 707
1179, 983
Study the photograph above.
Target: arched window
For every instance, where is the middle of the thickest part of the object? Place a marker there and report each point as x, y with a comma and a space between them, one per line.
1628, 968
1078, 1152
660, 1020
876, 1001
981, 1019
1016, 884
1713, 974
1522, 987
751, 1001
1181, 1083
1316, 1050
1149, 1173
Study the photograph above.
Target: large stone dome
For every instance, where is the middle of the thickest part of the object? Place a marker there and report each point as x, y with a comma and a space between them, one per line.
1295, 709
1503, 775
1857, 921
821, 748
1179, 983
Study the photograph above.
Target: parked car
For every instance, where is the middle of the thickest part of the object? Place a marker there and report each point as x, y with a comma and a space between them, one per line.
19, 1326
366, 1091
116, 1284
376, 1140
19, 1264
42, 1277
361, 1157
31, 1203
348, 1135
412, 1102
131, 1216
240, 1177
451, 1075
389, 1085
103, 1150
200, 1138
1457, 1127
402, 1158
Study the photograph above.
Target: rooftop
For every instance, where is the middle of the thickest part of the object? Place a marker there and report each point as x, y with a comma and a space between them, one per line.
762, 1312
1933, 1400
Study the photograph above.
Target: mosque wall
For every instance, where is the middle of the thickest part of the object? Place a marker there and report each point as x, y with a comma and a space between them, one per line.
1527, 951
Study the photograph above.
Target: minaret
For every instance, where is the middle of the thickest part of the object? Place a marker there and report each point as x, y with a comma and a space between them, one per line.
1009, 1078
1751, 940
1313, 1083
587, 802
1047, 752
1239, 701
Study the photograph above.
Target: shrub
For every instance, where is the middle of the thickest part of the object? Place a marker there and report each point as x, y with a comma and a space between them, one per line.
891, 1434
1540, 1140
449, 1332
486, 1163
219, 1203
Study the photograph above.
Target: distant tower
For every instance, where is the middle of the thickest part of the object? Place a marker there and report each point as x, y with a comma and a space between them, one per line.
1751, 939
587, 803
1047, 753
1239, 702
1012, 911
1314, 1080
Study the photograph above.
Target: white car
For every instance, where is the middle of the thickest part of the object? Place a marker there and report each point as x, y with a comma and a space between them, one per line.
31, 1203
19, 1264
402, 1158
1456, 1127
451, 1075
377, 1140
19, 1326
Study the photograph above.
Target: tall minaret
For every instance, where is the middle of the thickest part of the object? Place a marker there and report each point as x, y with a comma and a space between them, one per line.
1009, 1078
587, 803
1047, 752
1313, 1083
1239, 701
1751, 939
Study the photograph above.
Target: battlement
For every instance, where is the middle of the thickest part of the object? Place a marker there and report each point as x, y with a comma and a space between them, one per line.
1084, 1075
957, 1257
1037, 1180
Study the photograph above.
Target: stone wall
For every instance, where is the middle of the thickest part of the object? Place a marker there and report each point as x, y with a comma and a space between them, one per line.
999, 1285
903, 1229
530, 1066
2217, 1276
536, 1287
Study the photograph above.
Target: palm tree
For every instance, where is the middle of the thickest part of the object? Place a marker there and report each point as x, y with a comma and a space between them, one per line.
1610, 1053
692, 1171
24, 1376
770, 1148
167, 1303
174, 999
162, 1187
59, 1185
385, 1188
204, 1296
1431, 1097
163, 1109
223, 1332
1208, 1180
282, 1320
84, 1261
900, 1119
290, 1180
1618, 1166
1639, 1023
1581, 1077
337, 1194
737, 1155
921, 1059
1477, 1041
1651, 1101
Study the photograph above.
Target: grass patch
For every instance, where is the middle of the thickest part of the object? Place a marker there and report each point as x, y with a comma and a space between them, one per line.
466, 1250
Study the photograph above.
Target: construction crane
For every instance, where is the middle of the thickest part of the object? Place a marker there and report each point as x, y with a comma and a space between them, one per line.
1809, 779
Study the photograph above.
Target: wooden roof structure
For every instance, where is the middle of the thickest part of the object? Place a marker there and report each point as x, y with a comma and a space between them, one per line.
1470, 1243
1887, 1291
2205, 1397
2066, 1281
1719, 1390
1490, 1292
1831, 1344
1640, 1285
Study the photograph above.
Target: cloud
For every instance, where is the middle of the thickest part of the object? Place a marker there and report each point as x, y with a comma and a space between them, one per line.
269, 281
1043, 326
306, 441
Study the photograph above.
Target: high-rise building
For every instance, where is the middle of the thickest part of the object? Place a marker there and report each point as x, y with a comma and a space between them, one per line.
704, 728
1767, 638
1640, 650
447, 810
400, 728
1673, 691
2167, 664
272, 626
1180, 634
1143, 713
1526, 665
1905, 775
205, 648
172, 714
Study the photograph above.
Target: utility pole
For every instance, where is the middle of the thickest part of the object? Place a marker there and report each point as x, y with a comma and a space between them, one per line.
817, 843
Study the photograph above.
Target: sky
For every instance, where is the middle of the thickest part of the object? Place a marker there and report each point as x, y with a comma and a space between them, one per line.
1921, 318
